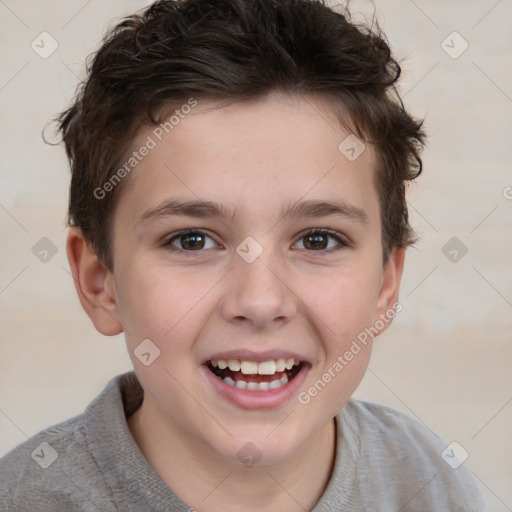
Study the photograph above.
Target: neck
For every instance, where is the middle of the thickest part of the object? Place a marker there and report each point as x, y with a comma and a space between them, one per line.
219, 484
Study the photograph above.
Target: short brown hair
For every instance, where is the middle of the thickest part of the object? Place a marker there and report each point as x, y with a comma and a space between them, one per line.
235, 50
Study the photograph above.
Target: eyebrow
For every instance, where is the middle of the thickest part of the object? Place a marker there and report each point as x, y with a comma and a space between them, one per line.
206, 209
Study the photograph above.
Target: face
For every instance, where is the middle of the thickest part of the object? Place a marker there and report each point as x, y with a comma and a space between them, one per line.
275, 277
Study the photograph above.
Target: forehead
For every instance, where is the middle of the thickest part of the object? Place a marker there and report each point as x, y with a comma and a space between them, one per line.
253, 157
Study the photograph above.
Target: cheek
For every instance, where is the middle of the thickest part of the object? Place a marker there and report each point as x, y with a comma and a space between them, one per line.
345, 304
344, 312
347, 310
158, 303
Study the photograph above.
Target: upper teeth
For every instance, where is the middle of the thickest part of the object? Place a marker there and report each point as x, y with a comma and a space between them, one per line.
253, 368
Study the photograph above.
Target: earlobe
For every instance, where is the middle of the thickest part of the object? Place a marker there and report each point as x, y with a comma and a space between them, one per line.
93, 283
392, 274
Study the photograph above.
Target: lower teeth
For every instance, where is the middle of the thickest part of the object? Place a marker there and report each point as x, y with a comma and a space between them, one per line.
256, 386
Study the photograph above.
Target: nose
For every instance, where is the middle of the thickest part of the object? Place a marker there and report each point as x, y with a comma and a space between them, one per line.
259, 293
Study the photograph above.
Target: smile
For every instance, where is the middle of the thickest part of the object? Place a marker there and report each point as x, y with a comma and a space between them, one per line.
254, 376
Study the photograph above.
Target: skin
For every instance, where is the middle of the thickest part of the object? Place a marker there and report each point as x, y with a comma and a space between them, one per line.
253, 158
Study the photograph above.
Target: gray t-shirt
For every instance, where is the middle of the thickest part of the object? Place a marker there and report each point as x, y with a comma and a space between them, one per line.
385, 462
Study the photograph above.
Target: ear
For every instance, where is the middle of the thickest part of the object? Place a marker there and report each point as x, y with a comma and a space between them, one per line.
387, 301
94, 284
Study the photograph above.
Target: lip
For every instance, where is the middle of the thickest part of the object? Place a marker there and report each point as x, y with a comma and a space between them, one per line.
258, 357
254, 400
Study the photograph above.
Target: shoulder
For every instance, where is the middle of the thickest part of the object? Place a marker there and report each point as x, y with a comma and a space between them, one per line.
37, 474
381, 420
55, 470
406, 462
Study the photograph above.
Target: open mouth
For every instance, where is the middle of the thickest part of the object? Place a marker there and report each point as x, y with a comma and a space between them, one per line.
254, 376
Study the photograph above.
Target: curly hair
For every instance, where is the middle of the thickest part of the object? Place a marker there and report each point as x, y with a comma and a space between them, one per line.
236, 50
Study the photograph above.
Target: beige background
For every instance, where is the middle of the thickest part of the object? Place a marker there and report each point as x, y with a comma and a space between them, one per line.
446, 359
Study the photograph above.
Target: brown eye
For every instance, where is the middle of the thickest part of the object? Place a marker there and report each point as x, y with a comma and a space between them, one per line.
318, 241
188, 240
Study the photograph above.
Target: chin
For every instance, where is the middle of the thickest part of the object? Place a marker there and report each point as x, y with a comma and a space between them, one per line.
260, 447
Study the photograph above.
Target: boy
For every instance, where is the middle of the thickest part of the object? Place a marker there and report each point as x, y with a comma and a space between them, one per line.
237, 209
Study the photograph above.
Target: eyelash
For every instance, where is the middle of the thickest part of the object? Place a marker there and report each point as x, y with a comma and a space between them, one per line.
342, 241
